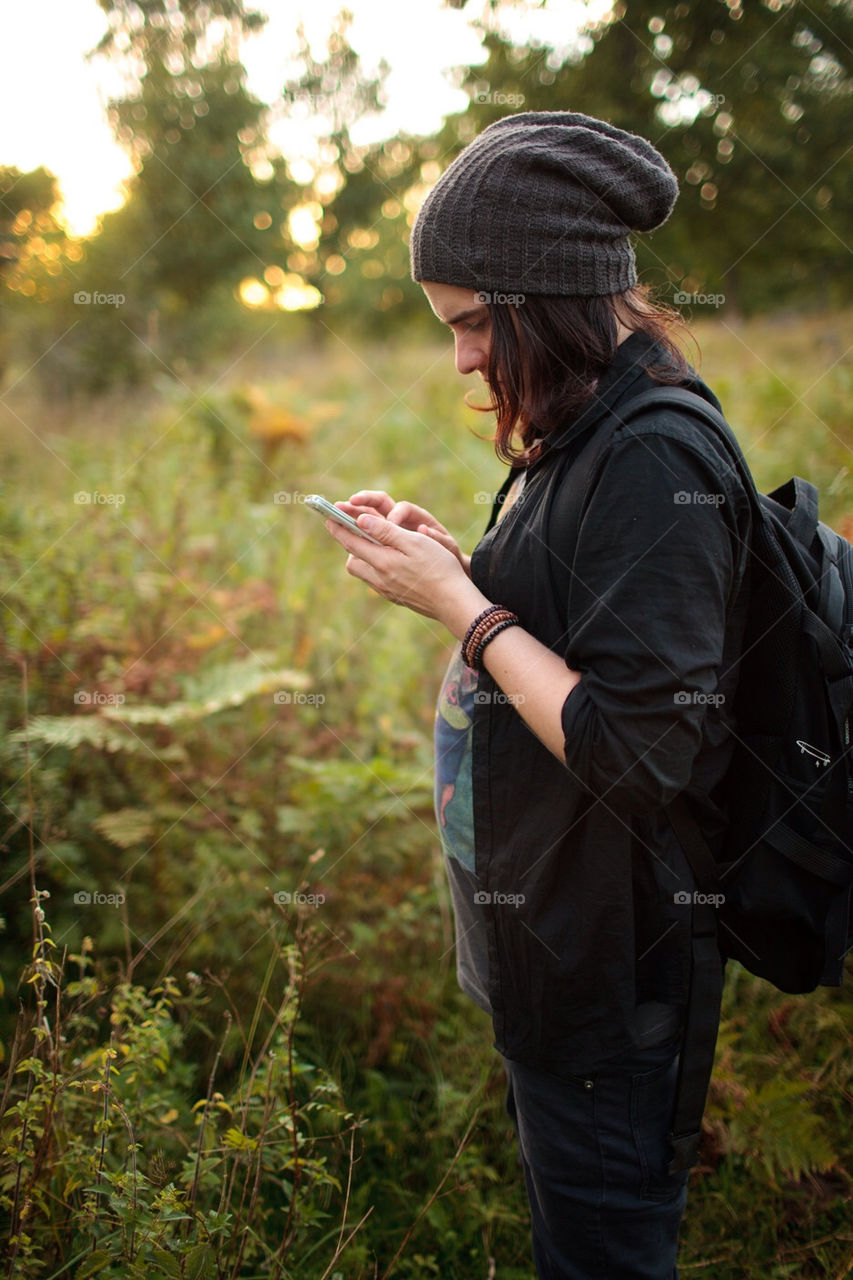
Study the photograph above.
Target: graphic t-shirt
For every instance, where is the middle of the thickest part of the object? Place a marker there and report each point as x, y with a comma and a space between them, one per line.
454, 808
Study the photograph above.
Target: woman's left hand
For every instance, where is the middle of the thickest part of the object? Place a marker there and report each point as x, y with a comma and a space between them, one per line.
410, 569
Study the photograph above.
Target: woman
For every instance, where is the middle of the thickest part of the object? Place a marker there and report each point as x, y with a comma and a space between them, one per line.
597, 637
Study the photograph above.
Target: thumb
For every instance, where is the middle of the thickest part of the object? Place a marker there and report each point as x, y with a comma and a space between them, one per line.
380, 529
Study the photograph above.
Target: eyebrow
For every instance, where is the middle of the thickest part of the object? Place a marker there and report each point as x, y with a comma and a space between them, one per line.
464, 315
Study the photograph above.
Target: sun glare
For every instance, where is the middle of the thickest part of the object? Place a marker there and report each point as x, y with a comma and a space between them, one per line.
291, 292
57, 97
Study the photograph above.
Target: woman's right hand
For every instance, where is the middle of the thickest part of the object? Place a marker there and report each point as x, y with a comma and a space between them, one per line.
407, 515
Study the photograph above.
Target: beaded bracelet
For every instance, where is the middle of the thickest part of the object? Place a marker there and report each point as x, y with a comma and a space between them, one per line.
480, 629
512, 621
483, 627
481, 617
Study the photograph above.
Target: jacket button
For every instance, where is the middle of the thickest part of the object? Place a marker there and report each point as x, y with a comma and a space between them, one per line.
589, 1084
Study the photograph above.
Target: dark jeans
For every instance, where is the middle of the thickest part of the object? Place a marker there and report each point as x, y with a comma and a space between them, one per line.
594, 1154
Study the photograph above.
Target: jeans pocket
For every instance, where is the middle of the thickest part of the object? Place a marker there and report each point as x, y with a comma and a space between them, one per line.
652, 1101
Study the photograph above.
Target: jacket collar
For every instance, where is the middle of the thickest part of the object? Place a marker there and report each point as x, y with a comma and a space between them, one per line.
615, 384
618, 383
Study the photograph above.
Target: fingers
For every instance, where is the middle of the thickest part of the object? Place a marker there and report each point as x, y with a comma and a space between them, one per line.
371, 499
408, 515
353, 509
439, 535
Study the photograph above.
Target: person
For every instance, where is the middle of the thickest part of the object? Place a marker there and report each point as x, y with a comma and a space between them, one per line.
593, 672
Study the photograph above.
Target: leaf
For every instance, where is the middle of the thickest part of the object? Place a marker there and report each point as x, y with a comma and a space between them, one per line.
228, 685
242, 1141
198, 1263
126, 827
95, 1262
289, 819
77, 731
776, 1130
167, 1263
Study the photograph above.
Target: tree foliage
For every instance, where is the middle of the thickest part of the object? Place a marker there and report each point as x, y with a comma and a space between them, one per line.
747, 102
197, 216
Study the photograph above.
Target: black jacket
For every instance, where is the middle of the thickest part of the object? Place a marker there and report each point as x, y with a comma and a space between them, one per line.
649, 607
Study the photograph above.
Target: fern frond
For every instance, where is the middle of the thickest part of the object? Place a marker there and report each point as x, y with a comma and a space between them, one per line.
76, 731
228, 685
126, 827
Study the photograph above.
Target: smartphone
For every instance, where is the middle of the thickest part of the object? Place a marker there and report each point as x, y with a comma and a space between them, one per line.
329, 511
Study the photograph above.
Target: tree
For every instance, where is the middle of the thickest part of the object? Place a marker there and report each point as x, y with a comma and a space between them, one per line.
355, 195
27, 222
33, 245
197, 216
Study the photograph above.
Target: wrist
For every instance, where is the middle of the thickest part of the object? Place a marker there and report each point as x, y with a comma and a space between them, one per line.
462, 608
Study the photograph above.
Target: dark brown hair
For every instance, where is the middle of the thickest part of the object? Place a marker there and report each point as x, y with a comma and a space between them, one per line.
548, 353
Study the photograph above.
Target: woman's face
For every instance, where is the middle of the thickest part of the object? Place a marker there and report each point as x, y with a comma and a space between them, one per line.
468, 316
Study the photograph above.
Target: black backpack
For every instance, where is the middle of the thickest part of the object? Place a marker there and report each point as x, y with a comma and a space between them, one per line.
778, 897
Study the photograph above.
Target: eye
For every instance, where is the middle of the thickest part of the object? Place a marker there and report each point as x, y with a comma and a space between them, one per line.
473, 326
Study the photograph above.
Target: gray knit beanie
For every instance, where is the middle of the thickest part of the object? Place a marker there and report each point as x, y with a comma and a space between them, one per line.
542, 202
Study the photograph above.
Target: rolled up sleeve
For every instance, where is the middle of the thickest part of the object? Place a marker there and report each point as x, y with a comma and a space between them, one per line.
652, 579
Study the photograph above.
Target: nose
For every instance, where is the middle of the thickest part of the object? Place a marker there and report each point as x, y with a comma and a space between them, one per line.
471, 354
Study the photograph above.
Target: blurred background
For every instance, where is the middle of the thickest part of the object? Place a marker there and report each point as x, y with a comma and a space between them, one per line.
231, 1031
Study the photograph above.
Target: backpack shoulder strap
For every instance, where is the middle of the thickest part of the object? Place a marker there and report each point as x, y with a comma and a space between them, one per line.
583, 469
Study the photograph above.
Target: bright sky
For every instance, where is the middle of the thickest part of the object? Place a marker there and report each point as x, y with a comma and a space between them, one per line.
52, 101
